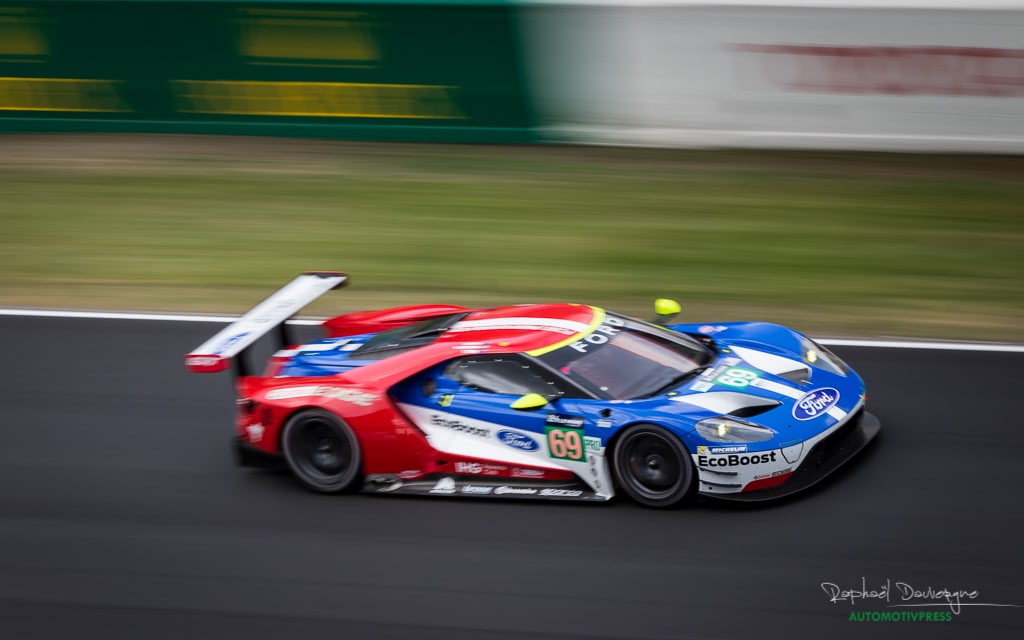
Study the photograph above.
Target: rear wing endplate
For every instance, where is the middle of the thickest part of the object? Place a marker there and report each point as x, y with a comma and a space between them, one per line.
217, 353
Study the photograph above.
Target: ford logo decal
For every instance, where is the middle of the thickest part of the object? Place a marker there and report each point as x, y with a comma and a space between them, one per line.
814, 403
517, 440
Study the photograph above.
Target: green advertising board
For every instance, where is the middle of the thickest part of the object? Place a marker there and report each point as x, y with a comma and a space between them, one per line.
369, 70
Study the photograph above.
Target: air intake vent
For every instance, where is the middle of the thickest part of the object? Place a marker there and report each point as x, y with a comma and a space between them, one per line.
799, 376
754, 409
730, 403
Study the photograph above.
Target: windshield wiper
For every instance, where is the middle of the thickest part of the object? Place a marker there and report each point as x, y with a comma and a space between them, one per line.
676, 381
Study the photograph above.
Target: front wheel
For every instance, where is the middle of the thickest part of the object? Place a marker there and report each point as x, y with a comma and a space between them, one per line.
653, 467
321, 451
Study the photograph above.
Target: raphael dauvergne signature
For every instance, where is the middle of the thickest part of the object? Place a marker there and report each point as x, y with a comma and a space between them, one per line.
898, 594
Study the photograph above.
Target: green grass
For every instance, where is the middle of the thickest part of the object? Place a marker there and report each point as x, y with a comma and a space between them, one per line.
851, 244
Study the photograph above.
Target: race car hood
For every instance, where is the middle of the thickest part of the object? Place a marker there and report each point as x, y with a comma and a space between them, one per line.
764, 375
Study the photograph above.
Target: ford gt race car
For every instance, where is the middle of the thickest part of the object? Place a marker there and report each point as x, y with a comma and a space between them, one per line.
541, 401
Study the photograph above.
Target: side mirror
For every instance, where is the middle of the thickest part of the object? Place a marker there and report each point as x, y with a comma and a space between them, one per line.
529, 401
666, 309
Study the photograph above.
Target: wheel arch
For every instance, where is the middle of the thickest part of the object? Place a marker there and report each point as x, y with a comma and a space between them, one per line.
290, 412
613, 442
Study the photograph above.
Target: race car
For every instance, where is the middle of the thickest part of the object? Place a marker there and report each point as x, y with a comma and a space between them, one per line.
538, 401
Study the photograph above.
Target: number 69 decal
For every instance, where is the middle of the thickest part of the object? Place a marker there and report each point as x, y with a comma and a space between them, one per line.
736, 377
566, 443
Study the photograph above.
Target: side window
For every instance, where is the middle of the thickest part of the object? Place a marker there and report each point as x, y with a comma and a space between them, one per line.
505, 375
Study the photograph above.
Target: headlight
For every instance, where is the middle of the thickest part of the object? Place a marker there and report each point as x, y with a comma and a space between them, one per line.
818, 356
729, 430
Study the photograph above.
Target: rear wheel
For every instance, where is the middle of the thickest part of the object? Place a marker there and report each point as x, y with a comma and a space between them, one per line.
653, 467
321, 451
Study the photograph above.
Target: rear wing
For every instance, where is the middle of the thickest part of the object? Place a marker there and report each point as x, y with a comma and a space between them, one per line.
223, 349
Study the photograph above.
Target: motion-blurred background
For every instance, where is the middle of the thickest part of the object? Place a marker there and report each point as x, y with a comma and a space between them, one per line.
848, 168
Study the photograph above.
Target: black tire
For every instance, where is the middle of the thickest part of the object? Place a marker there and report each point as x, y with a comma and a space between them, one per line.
653, 467
322, 451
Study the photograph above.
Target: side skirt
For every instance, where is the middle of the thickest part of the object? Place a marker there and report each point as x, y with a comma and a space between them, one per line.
476, 487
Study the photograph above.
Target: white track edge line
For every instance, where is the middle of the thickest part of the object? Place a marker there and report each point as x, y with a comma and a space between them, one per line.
124, 315
923, 344
172, 317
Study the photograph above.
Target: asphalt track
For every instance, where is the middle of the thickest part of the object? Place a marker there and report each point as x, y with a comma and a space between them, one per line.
121, 516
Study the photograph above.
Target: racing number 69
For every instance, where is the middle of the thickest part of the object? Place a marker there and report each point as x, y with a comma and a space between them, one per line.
738, 378
565, 443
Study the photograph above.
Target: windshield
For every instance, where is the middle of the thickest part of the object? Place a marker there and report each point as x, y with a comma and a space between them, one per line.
626, 359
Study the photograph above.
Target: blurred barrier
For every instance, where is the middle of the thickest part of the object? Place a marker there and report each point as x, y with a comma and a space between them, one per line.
907, 75
378, 70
